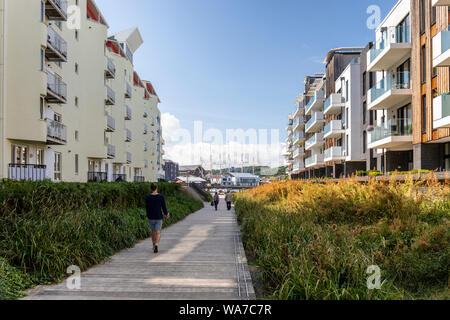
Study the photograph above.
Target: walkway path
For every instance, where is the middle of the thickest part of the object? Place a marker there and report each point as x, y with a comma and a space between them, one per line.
201, 257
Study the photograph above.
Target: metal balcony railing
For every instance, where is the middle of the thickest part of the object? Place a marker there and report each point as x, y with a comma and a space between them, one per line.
110, 123
56, 131
392, 128
111, 151
128, 91
110, 96
128, 113
56, 46
97, 176
393, 81
391, 35
57, 89
31, 172
56, 10
128, 136
110, 69
129, 158
119, 177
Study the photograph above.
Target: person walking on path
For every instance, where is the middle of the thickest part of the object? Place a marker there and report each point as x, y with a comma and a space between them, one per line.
156, 205
216, 200
229, 199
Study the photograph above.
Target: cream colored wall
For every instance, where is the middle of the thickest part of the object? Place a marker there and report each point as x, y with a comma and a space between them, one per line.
25, 36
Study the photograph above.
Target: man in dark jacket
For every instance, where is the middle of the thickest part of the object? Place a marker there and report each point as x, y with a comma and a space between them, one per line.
156, 206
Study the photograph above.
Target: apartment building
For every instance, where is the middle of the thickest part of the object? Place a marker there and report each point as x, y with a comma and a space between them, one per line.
411, 91
72, 104
342, 113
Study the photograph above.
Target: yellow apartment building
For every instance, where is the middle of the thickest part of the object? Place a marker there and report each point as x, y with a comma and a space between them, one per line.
72, 106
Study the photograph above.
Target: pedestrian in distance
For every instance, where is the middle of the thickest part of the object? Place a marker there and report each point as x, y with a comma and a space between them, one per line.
229, 199
216, 200
156, 205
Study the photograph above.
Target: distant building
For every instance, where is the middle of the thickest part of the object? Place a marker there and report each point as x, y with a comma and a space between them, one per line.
171, 170
214, 179
194, 170
240, 180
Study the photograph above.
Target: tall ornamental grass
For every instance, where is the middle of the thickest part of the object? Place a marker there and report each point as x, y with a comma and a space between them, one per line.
317, 240
47, 227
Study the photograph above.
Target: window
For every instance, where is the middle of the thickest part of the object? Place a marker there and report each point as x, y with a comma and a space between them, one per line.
42, 11
346, 90
57, 167
433, 15
40, 157
76, 135
19, 154
435, 72
58, 24
76, 101
76, 164
371, 79
364, 84
76, 34
371, 118
42, 60
424, 64
364, 112
402, 30
346, 145
422, 15
76, 68
424, 113
364, 141
57, 117
41, 108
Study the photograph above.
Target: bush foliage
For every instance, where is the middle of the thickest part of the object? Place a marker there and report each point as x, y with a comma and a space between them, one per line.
47, 227
316, 240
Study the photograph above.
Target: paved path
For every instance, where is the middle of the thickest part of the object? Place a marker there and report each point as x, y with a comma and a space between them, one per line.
201, 257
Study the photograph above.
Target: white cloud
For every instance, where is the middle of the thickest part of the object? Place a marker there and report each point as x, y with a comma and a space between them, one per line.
234, 148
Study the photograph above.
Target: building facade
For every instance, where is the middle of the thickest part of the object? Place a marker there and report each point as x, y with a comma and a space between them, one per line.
73, 107
397, 114
171, 170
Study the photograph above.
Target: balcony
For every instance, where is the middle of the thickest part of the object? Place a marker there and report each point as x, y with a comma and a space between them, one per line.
394, 135
441, 49
146, 116
139, 179
299, 137
97, 176
111, 151
315, 123
290, 124
145, 129
129, 158
334, 129
440, 3
119, 177
334, 154
56, 50
299, 123
298, 167
110, 71
315, 161
316, 141
56, 89
110, 124
110, 96
300, 110
392, 91
56, 133
299, 153
128, 113
395, 45
441, 111
56, 10
128, 91
316, 102
290, 160
26, 172
334, 104
128, 136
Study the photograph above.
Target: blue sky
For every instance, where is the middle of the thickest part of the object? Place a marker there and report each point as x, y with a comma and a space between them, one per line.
237, 63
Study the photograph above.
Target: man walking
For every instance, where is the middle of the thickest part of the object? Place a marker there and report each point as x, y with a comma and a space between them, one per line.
216, 200
155, 205
229, 199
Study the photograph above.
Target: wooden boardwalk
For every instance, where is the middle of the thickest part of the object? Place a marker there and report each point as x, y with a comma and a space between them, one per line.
201, 258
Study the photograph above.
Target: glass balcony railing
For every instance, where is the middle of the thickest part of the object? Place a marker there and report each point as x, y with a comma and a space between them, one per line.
58, 44
334, 99
110, 68
332, 125
441, 44
334, 152
392, 128
56, 130
311, 160
316, 116
393, 81
310, 103
391, 36
57, 88
110, 95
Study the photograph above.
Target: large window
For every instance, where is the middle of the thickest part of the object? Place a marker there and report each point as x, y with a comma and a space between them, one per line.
423, 61
403, 30
364, 142
19, 155
422, 15
57, 166
424, 113
364, 112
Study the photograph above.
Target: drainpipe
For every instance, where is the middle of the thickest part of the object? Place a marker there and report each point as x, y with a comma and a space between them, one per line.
3, 111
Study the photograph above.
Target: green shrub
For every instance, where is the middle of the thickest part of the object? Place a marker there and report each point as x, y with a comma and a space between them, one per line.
42, 232
316, 241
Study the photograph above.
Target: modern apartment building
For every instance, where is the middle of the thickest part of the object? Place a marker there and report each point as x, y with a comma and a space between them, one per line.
171, 170
73, 107
398, 116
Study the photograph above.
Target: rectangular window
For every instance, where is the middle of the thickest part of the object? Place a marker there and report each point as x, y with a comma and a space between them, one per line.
364, 141
346, 90
42, 11
424, 64
433, 15
371, 118
19, 155
422, 16
346, 145
364, 84
76, 135
76, 164
40, 157
41, 108
364, 112
424, 114
42, 59
57, 167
